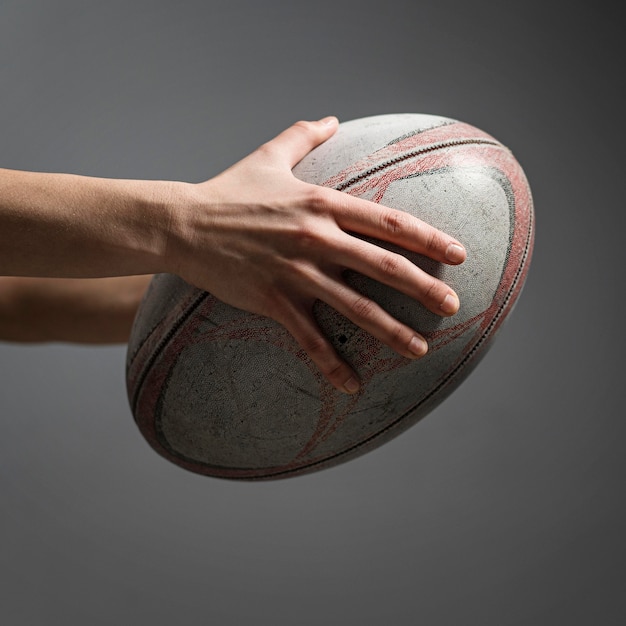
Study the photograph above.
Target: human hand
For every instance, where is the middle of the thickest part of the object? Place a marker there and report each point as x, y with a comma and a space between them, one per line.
261, 240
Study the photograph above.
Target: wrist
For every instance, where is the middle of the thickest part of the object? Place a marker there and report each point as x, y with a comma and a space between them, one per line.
141, 215
177, 208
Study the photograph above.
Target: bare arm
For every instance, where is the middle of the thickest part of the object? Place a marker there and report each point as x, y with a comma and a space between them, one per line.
63, 225
77, 310
255, 236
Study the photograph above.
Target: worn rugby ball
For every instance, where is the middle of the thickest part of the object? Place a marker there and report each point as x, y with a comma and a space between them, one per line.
226, 393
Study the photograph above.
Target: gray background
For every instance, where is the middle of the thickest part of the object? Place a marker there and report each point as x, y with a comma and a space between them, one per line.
504, 506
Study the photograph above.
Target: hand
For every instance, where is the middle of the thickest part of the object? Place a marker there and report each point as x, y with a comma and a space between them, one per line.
261, 240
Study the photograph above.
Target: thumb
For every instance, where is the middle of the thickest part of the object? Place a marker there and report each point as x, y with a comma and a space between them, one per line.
293, 144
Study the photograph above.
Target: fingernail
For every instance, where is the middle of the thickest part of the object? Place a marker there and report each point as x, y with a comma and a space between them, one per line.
450, 304
351, 385
455, 253
329, 121
418, 346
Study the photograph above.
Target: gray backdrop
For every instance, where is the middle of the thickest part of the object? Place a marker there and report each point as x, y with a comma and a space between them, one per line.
505, 505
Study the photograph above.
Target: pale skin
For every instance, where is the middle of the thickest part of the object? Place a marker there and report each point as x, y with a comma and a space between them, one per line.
254, 236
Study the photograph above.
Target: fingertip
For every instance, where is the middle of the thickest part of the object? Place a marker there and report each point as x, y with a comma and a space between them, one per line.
455, 253
294, 143
450, 304
330, 121
329, 126
418, 347
351, 386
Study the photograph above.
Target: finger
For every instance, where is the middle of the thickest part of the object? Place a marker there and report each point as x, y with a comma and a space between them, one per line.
293, 144
395, 226
396, 271
307, 333
372, 318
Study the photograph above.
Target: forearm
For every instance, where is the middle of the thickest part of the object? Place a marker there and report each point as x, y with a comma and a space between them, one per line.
94, 311
63, 225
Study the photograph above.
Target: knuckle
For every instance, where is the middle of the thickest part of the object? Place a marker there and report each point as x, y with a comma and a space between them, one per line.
393, 222
317, 199
363, 308
304, 126
434, 289
334, 370
305, 277
266, 151
399, 337
390, 263
433, 240
270, 303
307, 236
317, 346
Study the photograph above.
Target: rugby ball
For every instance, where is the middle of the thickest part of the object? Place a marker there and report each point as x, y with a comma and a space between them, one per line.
225, 393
